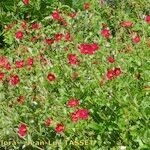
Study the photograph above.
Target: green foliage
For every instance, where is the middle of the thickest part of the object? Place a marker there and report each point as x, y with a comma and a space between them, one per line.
118, 108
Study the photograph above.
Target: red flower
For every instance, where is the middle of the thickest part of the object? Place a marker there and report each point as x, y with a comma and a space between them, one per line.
147, 19
35, 26
3, 61
49, 41
88, 48
110, 74
95, 46
127, 24
26, 2
113, 73
73, 103
19, 64
22, 132
48, 122
117, 71
73, 59
110, 59
51, 77
106, 33
30, 61
1, 75
8, 66
72, 15
56, 16
67, 36
14, 79
21, 99
136, 39
83, 113
19, 35
66, 48
65, 23
58, 37
60, 128
86, 6
24, 24
74, 117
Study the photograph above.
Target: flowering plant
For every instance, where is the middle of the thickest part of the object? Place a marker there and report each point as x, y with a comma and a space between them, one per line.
75, 74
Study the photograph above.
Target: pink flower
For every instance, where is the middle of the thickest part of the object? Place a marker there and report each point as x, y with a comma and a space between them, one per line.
110, 59
58, 37
19, 64
26, 2
19, 35
74, 117
88, 48
110, 74
51, 77
64, 23
73, 102
24, 24
117, 71
3, 61
1, 75
60, 128
56, 16
30, 61
8, 66
86, 6
106, 33
67, 36
136, 39
95, 46
73, 59
22, 131
72, 15
83, 113
14, 79
49, 41
35, 26
48, 122
147, 19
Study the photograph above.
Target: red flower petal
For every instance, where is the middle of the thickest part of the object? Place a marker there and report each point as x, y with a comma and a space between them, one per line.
147, 19
22, 132
19, 35
14, 79
60, 128
83, 113
51, 77
73, 103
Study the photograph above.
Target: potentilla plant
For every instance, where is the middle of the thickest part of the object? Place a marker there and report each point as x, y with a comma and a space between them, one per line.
77, 76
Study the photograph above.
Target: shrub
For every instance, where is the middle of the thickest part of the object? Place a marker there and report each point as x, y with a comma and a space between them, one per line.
75, 76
